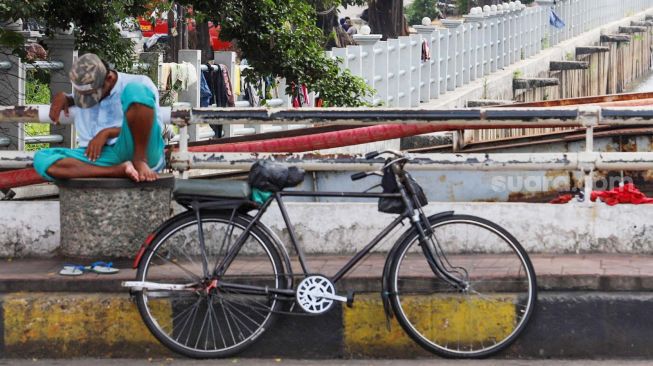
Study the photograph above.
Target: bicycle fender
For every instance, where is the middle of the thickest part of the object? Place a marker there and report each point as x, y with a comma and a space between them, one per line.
155, 233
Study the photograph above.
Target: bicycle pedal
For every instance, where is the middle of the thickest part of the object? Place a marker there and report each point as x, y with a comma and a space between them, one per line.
350, 298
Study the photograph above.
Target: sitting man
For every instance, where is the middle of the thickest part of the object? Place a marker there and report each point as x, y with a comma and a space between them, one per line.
118, 126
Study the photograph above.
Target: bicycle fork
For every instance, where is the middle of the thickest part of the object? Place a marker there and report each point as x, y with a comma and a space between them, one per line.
435, 257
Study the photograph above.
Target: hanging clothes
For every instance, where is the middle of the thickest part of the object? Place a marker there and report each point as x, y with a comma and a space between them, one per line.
252, 95
166, 70
426, 51
227, 84
205, 92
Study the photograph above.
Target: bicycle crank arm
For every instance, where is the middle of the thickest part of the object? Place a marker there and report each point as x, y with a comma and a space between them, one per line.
144, 285
327, 296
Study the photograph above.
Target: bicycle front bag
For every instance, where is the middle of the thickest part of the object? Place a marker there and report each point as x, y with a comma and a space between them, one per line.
396, 205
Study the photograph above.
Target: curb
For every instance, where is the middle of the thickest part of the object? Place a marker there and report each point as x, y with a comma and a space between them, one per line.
591, 325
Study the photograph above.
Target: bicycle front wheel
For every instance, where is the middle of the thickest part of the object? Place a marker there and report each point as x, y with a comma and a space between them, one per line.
186, 303
479, 318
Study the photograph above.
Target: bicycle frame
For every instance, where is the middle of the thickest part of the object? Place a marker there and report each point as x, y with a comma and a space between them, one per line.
278, 197
409, 213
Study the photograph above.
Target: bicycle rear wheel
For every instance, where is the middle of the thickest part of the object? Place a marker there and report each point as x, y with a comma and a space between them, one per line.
452, 322
200, 318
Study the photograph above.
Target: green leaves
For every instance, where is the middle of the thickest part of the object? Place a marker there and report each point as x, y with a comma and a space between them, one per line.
280, 39
93, 20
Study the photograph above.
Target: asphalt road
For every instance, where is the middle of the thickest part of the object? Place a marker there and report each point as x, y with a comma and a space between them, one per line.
272, 362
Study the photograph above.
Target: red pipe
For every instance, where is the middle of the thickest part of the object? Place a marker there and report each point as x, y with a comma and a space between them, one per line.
19, 178
325, 140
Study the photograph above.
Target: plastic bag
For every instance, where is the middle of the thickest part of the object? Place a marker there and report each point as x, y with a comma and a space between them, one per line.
269, 176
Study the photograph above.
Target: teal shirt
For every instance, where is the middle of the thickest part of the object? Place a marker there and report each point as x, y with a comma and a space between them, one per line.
123, 149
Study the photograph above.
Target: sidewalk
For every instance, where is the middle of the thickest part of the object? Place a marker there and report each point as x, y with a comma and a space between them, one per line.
585, 303
568, 272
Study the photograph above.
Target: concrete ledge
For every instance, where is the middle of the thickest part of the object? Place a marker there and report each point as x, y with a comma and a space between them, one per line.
588, 50
110, 217
532, 83
616, 38
565, 325
568, 65
31, 229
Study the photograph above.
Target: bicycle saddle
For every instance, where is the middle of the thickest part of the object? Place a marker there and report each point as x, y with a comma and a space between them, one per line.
211, 188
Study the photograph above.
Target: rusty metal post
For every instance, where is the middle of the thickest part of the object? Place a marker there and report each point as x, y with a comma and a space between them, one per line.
12, 92
62, 48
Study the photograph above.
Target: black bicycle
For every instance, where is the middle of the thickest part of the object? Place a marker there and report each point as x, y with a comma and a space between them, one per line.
212, 279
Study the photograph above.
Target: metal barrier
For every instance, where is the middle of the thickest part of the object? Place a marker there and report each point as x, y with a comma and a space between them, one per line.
586, 117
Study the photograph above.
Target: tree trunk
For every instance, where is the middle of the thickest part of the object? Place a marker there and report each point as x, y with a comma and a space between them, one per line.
172, 54
204, 41
386, 17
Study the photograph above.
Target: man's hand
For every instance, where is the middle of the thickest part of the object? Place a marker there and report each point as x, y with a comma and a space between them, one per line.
59, 102
94, 148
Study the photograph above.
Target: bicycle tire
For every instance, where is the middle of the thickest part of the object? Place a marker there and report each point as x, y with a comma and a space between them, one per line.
433, 313
231, 314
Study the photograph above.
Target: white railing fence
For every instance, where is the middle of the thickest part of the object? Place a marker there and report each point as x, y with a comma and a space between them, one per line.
464, 50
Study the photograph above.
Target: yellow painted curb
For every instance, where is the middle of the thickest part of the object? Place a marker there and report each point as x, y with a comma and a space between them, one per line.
446, 319
72, 325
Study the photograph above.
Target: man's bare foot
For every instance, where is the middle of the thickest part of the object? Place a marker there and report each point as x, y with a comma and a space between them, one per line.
145, 174
130, 171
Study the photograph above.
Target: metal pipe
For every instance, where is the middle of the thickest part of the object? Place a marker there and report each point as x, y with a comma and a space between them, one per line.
431, 162
44, 65
44, 139
453, 119
5, 65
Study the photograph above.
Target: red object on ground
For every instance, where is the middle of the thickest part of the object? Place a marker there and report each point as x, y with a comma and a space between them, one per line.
325, 140
625, 194
19, 178
565, 198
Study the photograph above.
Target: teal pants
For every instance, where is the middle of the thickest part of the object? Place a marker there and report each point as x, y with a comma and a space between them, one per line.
121, 151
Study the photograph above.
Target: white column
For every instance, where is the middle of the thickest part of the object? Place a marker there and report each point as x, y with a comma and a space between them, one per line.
443, 59
494, 38
465, 46
354, 63
477, 22
404, 72
453, 65
367, 44
426, 74
394, 68
415, 51
510, 33
381, 73
500, 37
192, 94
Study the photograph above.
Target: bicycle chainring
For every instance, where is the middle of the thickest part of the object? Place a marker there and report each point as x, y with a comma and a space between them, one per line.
309, 291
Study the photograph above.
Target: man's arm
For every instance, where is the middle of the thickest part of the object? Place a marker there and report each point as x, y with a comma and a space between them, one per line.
60, 102
94, 148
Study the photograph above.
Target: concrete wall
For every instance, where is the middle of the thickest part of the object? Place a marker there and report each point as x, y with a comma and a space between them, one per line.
33, 231
29, 228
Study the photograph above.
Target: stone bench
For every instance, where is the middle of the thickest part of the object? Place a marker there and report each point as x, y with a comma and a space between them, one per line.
110, 218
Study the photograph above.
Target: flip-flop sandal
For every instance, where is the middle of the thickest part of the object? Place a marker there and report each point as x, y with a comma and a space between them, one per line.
72, 270
102, 268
